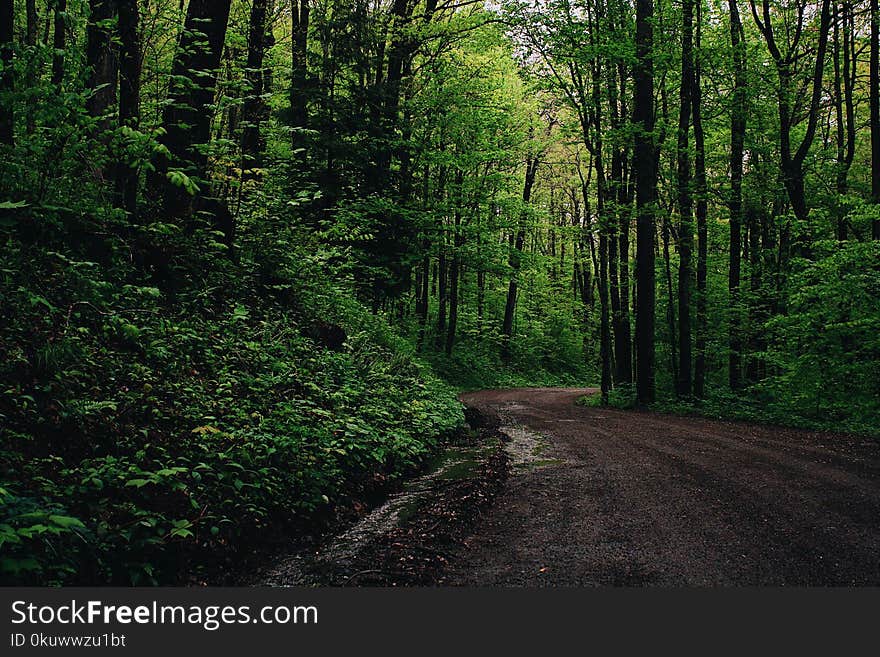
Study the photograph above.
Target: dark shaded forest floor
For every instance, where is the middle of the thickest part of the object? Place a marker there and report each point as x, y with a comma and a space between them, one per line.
599, 496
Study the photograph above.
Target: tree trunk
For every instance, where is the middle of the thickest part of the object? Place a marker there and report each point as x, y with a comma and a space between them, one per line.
32, 27
840, 88
101, 63
623, 343
618, 367
7, 77
702, 212
757, 305
604, 328
874, 94
299, 110
59, 43
670, 307
187, 117
455, 266
442, 290
684, 385
254, 109
646, 191
514, 260
735, 202
422, 302
129, 97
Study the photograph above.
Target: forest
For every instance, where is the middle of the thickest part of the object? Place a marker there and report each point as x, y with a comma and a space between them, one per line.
253, 249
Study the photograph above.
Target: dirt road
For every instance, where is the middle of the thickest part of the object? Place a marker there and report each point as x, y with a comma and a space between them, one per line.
608, 497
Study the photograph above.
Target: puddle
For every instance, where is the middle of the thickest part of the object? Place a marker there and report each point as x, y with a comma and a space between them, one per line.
305, 569
526, 448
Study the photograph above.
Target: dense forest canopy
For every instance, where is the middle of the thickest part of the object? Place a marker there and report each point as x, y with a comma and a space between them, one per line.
252, 246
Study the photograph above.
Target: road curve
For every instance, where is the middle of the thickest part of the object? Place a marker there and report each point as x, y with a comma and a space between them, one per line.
642, 499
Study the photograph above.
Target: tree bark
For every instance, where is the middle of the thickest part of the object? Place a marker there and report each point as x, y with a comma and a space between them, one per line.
187, 117
101, 63
59, 43
701, 215
874, 94
254, 109
31, 30
515, 259
844, 109
670, 306
455, 266
684, 385
646, 191
735, 201
299, 110
129, 97
7, 77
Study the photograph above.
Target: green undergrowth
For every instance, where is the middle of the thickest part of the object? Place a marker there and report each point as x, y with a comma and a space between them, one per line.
478, 365
752, 406
152, 431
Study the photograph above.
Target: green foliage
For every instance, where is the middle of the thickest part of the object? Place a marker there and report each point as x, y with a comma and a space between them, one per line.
823, 352
140, 434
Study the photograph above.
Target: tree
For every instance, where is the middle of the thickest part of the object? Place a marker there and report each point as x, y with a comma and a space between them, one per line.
646, 189
685, 205
187, 116
7, 75
101, 62
702, 211
738, 119
59, 43
874, 95
299, 61
253, 113
126, 175
518, 238
845, 65
787, 57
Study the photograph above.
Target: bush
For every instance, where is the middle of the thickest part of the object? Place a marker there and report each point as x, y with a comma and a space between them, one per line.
153, 427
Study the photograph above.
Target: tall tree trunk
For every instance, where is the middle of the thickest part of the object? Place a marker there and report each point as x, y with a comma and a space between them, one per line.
757, 302
619, 365
31, 30
646, 191
619, 249
299, 110
455, 266
481, 279
874, 94
702, 212
101, 62
623, 344
129, 97
422, 302
735, 201
59, 43
254, 109
515, 259
187, 117
442, 288
398, 52
7, 77
670, 306
684, 385
604, 328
